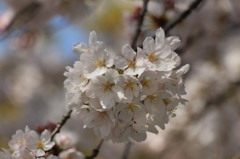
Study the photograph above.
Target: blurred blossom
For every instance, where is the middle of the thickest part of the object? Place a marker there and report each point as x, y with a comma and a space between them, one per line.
25, 40
31, 16
71, 153
28, 144
5, 19
23, 83
66, 139
231, 58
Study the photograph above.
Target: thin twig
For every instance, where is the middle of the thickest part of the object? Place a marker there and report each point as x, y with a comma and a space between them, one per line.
126, 151
95, 151
183, 16
140, 22
60, 124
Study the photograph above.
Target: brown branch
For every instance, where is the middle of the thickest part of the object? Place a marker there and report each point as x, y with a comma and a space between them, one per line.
60, 124
95, 151
126, 151
183, 16
22, 17
63, 122
140, 22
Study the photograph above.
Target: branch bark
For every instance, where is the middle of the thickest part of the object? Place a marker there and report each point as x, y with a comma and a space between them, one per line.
183, 15
60, 124
95, 151
22, 18
126, 151
139, 24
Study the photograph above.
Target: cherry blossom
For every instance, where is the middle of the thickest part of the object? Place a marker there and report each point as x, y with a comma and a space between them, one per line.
39, 144
130, 62
123, 97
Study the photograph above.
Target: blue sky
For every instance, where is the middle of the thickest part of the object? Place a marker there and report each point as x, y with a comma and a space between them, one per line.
65, 36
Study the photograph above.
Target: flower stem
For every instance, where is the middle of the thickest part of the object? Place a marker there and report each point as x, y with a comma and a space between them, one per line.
139, 25
60, 124
183, 15
126, 151
95, 151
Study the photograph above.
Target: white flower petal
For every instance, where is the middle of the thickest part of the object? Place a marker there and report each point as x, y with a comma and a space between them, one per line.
119, 91
121, 63
92, 38
39, 153
139, 136
97, 72
48, 146
80, 48
128, 52
46, 136
160, 37
183, 70
105, 129
107, 100
148, 44
174, 42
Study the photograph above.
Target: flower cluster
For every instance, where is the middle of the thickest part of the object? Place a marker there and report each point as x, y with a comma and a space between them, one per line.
123, 97
28, 144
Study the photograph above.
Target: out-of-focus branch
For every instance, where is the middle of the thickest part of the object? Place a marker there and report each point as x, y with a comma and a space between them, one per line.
95, 151
189, 42
60, 124
127, 150
214, 102
224, 95
183, 15
139, 24
22, 17
63, 122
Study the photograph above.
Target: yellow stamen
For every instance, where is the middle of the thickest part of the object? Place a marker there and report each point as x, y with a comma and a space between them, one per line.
152, 57
88, 49
152, 97
102, 115
128, 85
100, 62
131, 63
20, 142
83, 78
145, 83
166, 101
107, 86
39, 143
131, 107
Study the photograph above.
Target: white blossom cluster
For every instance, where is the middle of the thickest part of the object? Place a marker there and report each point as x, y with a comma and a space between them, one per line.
28, 145
123, 97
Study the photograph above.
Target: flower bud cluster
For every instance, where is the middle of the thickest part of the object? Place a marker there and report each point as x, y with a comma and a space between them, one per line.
123, 97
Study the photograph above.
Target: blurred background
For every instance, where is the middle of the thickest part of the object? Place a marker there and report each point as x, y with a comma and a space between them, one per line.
36, 38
